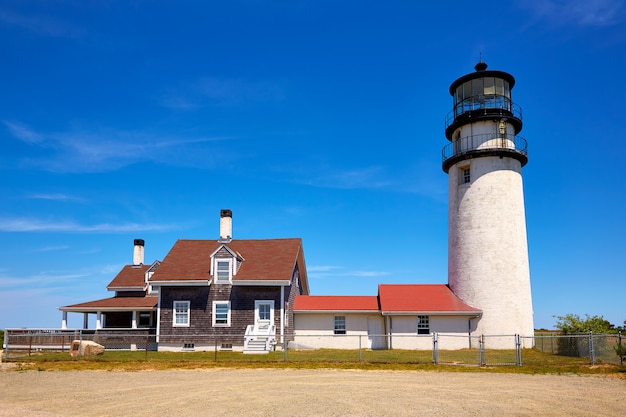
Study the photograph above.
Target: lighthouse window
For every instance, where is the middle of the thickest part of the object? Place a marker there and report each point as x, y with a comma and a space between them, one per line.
489, 86
478, 87
499, 86
465, 175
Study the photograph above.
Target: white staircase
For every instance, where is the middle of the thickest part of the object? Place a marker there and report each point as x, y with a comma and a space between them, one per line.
259, 339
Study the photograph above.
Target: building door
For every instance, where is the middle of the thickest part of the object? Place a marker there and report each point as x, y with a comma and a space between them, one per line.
375, 333
263, 314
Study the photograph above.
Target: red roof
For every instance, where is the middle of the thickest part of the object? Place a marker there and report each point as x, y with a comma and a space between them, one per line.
421, 298
115, 304
130, 276
263, 260
335, 303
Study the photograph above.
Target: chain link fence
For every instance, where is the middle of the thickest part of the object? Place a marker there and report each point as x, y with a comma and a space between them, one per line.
437, 348
598, 348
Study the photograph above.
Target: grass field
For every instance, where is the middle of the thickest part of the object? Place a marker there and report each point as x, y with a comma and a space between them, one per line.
534, 362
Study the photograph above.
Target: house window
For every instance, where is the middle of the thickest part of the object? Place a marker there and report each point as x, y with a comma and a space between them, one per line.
144, 318
221, 313
264, 312
181, 313
223, 270
340, 324
423, 325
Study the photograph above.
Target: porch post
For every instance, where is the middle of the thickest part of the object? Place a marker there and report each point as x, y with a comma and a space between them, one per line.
64, 321
282, 314
134, 320
85, 320
99, 320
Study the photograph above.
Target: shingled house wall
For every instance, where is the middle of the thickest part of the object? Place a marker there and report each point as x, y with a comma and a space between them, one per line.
201, 332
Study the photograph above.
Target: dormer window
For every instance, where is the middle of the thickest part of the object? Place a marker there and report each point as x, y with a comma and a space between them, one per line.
223, 270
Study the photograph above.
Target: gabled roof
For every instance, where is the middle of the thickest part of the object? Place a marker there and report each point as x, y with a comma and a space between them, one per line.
115, 304
335, 303
130, 277
266, 262
421, 298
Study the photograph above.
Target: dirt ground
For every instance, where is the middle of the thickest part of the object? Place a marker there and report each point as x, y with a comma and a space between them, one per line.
274, 392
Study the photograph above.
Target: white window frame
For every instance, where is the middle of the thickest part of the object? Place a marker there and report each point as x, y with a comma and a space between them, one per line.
214, 315
186, 306
338, 329
423, 323
216, 279
257, 311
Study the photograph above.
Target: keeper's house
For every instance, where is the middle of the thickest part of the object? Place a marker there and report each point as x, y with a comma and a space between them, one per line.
253, 295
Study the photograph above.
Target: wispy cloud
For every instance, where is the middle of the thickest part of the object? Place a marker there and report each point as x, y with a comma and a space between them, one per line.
39, 24
36, 225
97, 151
51, 248
47, 279
582, 13
370, 177
54, 197
328, 271
22, 132
214, 91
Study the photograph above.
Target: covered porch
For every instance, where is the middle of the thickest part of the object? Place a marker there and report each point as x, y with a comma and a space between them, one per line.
116, 312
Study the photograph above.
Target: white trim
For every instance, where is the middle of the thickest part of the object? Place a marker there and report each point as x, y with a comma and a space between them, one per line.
188, 313
433, 313
335, 311
220, 248
213, 315
109, 309
123, 289
184, 283
262, 282
282, 313
158, 319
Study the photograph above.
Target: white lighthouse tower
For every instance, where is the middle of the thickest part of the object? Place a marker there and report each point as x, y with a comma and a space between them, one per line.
487, 248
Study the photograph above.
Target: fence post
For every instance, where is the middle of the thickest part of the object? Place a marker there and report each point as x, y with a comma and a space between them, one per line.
435, 349
6, 344
360, 351
80, 343
481, 346
592, 354
518, 350
284, 349
619, 343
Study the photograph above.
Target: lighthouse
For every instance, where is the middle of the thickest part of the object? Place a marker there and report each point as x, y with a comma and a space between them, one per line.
487, 247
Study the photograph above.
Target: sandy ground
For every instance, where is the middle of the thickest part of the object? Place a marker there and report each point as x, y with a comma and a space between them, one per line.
274, 392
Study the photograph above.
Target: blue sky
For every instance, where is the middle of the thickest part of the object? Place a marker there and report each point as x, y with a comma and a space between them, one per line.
315, 119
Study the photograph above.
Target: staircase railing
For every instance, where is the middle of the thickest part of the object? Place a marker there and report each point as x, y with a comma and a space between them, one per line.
266, 334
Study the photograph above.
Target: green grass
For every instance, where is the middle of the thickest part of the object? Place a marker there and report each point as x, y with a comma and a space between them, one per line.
534, 362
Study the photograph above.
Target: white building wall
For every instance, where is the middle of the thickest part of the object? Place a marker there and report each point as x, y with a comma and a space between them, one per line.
403, 332
487, 247
316, 331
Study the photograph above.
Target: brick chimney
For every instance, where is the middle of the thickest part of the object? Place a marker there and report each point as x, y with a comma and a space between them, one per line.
138, 252
226, 225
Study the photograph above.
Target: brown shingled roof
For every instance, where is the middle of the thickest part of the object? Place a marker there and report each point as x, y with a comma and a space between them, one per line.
130, 276
264, 260
116, 304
